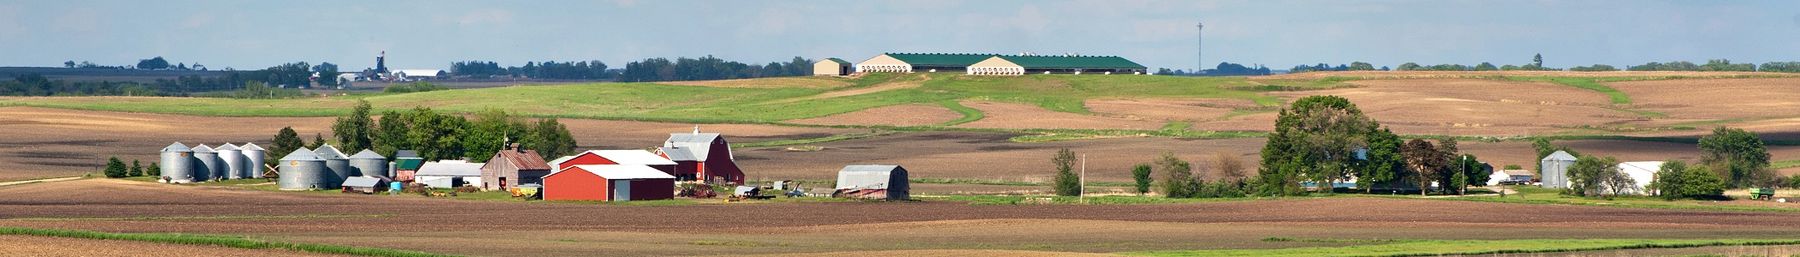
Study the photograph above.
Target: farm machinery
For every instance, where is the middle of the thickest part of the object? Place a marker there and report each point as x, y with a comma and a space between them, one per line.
1762, 193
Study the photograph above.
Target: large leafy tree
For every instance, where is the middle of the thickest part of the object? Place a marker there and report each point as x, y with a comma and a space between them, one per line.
436, 136
1472, 172
390, 134
1179, 179
1382, 162
355, 131
1589, 174
549, 138
490, 132
1316, 140
1739, 155
1067, 182
286, 141
1425, 162
1676, 180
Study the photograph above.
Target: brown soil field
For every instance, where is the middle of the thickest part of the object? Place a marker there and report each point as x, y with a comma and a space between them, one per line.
56, 246
979, 155
476, 227
1470, 74
897, 115
1475, 106
1015, 115
781, 82
1715, 99
1167, 109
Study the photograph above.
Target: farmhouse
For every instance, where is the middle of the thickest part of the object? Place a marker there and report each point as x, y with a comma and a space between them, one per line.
609, 183
994, 64
1063, 64
628, 157
1555, 169
702, 156
449, 174
832, 67
511, 167
406, 163
873, 182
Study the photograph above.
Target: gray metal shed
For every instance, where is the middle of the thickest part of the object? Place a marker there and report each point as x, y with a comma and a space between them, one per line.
1555, 169
178, 163
874, 181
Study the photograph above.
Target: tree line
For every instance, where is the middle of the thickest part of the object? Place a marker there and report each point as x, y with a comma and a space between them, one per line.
436, 136
1223, 69
590, 70
709, 68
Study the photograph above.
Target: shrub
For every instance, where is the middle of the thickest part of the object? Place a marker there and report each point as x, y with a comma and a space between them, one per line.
1067, 182
1677, 180
115, 168
467, 189
413, 87
154, 170
1141, 174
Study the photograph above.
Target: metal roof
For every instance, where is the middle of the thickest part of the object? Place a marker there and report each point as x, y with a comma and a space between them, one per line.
177, 147
329, 153
450, 168
250, 147
418, 72
203, 149
227, 147
632, 157
301, 154
559, 160
836, 60
867, 176
362, 181
628, 171
367, 154
677, 153
1071, 62
698, 145
523, 159
1560, 156
939, 59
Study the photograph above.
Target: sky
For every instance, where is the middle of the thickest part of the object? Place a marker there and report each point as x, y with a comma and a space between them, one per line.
1158, 34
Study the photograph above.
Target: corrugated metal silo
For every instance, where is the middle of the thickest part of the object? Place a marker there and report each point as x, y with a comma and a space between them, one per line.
304, 170
253, 160
209, 167
336, 162
178, 163
233, 159
369, 163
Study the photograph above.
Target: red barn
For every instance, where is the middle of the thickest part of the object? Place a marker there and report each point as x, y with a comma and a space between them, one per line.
702, 156
601, 157
609, 183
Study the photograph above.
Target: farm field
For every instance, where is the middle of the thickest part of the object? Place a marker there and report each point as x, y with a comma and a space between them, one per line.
881, 229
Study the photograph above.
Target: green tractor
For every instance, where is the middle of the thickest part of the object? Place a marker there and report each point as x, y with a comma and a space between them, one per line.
1762, 193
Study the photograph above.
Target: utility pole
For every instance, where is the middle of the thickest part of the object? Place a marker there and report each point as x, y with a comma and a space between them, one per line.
1199, 43
1083, 194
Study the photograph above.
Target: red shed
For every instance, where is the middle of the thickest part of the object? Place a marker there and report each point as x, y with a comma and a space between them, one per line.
609, 183
702, 156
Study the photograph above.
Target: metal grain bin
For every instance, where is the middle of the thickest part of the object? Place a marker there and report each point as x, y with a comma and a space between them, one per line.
369, 163
178, 163
304, 170
336, 162
253, 160
233, 159
209, 167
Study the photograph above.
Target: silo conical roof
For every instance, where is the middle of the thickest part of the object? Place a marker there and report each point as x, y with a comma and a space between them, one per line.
250, 147
302, 155
177, 147
204, 149
329, 153
367, 154
226, 147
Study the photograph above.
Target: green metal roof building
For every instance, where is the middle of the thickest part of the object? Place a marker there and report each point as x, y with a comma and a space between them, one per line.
994, 64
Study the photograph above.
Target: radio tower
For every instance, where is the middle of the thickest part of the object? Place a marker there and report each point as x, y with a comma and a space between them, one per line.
1199, 63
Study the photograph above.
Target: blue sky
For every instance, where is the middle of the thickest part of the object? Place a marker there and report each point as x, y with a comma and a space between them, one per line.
1280, 34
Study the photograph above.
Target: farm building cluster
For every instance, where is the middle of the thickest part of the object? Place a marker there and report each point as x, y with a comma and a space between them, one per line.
685, 160
1555, 169
981, 64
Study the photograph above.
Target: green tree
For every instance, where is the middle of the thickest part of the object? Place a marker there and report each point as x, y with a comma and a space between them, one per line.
1067, 182
1356, 66
1537, 60
1471, 173
115, 168
153, 170
318, 140
1382, 162
1739, 155
1408, 66
286, 141
1677, 180
1141, 175
1315, 139
491, 130
436, 136
1485, 66
354, 132
1179, 181
549, 138
1589, 173
136, 170
1425, 162
390, 134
